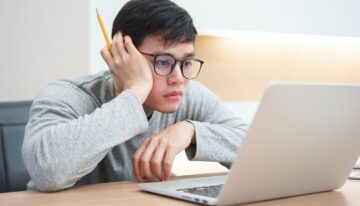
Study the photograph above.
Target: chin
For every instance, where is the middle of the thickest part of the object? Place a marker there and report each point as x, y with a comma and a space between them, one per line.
168, 108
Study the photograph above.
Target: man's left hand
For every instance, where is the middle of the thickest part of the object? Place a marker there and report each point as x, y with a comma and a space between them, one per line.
161, 149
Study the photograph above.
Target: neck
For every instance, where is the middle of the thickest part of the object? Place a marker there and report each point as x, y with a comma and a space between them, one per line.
148, 111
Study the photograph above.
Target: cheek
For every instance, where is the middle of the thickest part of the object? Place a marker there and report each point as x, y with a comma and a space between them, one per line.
159, 84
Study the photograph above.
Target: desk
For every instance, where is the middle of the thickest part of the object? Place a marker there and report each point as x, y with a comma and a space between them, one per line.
127, 193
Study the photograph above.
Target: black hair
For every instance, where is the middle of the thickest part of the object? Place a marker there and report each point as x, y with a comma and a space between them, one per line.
142, 18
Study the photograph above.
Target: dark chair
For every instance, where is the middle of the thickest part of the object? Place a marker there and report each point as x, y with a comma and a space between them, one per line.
13, 118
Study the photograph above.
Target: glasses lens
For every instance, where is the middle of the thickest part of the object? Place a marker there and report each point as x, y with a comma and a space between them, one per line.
191, 68
163, 64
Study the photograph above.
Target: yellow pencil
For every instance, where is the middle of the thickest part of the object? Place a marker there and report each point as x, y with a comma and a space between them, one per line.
103, 30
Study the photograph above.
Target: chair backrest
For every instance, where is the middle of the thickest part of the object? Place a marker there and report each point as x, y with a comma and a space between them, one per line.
13, 118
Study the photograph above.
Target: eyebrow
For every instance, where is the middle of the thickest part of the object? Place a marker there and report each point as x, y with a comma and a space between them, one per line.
187, 55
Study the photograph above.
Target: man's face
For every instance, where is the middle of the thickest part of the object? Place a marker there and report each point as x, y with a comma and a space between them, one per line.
167, 91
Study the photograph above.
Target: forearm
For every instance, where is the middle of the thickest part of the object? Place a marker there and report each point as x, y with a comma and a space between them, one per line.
59, 154
217, 142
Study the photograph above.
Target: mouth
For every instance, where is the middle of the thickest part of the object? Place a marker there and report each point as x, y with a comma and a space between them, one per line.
175, 95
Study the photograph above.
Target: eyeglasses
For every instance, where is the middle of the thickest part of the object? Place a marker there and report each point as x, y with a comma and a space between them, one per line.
164, 64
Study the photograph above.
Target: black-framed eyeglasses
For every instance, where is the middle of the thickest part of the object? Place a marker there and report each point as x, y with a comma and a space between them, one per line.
164, 64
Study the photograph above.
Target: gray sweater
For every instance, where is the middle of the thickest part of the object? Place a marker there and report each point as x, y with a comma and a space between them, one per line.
79, 133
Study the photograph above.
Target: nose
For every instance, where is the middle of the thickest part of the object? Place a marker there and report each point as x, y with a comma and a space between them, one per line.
176, 77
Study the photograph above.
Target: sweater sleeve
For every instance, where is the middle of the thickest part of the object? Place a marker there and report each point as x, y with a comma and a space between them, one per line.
67, 135
219, 132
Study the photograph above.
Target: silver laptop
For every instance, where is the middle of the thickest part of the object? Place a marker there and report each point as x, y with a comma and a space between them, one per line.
305, 138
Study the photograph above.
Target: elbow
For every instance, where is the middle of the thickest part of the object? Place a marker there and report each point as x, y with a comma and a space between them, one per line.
50, 186
45, 173
47, 179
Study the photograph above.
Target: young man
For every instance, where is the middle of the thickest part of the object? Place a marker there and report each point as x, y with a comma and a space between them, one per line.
132, 121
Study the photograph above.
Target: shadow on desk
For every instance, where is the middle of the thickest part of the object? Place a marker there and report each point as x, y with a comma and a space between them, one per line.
332, 198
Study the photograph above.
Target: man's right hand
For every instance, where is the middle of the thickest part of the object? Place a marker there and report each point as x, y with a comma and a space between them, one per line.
129, 68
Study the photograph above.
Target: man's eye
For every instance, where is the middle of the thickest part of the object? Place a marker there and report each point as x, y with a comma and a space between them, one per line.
188, 64
162, 63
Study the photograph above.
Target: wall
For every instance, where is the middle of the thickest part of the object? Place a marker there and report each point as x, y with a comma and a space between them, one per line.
44, 40
108, 10
40, 41
322, 17
240, 65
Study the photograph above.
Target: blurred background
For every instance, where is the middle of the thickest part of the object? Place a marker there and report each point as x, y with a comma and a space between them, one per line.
45, 40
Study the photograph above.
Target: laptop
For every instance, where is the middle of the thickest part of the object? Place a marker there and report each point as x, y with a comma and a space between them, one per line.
304, 139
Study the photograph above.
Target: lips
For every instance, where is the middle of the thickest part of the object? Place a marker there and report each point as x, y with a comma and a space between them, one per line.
173, 96
174, 93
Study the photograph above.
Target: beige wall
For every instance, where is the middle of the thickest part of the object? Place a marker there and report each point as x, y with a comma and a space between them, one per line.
324, 17
43, 40
40, 40
238, 67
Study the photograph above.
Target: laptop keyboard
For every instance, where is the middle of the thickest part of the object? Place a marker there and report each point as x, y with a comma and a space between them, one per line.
208, 191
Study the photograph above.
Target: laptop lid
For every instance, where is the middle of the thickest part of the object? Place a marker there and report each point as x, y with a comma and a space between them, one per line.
304, 139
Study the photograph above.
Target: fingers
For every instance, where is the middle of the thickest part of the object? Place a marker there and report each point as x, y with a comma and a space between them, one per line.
145, 159
107, 56
157, 160
157, 153
148, 159
136, 160
129, 45
118, 52
168, 161
160, 151
117, 47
